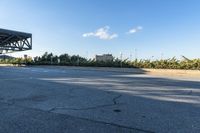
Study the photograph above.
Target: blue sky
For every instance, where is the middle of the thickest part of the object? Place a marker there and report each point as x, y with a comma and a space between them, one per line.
89, 27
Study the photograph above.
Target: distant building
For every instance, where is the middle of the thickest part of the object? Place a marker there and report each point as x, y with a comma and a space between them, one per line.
104, 57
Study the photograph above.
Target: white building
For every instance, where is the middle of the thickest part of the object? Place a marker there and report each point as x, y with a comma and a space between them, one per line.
104, 57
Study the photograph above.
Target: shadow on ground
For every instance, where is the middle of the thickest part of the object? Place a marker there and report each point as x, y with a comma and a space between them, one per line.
136, 102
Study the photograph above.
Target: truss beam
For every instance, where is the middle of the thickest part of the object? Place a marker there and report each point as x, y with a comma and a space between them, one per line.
12, 41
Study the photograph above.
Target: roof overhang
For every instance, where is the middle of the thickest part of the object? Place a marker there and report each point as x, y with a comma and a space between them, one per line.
12, 41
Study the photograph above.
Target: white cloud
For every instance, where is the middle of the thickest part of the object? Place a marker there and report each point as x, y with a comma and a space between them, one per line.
134, 30
102, 33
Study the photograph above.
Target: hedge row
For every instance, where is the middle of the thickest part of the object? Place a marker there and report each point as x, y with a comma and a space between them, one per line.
75, 60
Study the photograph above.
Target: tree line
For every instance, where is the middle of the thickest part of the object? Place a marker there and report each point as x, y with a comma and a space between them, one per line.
76, 60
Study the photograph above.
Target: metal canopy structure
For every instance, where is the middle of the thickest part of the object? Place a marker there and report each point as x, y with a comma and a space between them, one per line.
12, 41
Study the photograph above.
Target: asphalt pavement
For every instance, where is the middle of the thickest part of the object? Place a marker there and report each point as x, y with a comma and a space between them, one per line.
68, 100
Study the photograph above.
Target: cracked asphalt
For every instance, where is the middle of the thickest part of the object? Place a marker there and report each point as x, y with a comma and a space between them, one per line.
68, 100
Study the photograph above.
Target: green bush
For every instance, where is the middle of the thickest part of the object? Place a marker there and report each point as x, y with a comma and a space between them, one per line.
76, 60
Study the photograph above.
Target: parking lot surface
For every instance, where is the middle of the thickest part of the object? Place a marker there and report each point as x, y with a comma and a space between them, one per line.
59, 99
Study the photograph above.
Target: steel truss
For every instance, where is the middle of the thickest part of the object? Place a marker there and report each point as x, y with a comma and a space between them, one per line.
12, 41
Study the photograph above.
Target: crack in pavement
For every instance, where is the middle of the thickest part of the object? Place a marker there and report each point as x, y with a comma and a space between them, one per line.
114, 100
79, 109
81, 118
